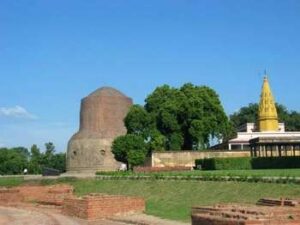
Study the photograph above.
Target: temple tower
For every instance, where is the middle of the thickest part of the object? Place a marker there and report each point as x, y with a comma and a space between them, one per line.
267, 114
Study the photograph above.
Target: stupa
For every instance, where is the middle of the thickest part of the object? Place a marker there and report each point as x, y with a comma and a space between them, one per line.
101, 121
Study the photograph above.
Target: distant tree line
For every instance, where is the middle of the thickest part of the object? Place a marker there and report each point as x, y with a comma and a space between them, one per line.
249, 114
15, 160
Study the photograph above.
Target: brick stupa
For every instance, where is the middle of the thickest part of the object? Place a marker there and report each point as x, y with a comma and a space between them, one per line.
101, 121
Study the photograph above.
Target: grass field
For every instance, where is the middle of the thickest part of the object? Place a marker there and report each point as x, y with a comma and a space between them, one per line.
174, 199
10, 181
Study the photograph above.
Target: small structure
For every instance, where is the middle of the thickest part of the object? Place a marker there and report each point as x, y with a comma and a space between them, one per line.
267, 134
101, 121
275, 146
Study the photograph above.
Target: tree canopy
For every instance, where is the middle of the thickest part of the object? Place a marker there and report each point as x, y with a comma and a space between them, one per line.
15, 160
188, 118
249, 114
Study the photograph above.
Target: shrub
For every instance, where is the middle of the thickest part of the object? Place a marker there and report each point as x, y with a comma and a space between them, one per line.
286, 162
245, 163
239, 163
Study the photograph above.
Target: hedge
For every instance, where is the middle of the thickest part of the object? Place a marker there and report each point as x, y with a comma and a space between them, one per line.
245, 163
239, 163
286, 162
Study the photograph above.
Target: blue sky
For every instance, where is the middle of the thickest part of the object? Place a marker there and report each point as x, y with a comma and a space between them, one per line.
55, 52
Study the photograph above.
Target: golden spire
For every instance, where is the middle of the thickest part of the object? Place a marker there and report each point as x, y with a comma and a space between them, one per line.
267, 114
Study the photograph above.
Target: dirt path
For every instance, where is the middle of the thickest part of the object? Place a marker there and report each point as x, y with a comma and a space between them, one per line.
33, 215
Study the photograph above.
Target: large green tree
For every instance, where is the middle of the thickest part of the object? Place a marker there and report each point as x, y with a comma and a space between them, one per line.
249, 114
179, 118
189, 117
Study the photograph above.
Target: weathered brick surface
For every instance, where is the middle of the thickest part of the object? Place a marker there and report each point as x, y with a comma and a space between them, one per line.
8, 195
97, 206
53, 195
101, 121
288, 214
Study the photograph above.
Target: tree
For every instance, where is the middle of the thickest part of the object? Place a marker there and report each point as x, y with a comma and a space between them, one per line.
249, 114
188, 117
138, 121
130, 149
35, 160
13, 160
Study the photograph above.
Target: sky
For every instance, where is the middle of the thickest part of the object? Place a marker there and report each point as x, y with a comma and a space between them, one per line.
55, 52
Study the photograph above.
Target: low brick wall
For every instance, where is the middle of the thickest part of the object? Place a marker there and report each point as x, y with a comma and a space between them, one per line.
97, 206
246, 215
8, 195
52, 195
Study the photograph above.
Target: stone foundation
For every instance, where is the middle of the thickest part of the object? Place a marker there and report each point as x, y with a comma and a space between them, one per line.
97, 206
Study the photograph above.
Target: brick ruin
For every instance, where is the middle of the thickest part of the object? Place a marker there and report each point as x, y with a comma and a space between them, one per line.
48, 195
98, 206
266, 212
90, 207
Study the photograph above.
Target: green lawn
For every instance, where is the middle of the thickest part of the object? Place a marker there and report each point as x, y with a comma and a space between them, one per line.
10, 181
174, 199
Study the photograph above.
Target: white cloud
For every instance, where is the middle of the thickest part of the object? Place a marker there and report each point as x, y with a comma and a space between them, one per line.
16, 112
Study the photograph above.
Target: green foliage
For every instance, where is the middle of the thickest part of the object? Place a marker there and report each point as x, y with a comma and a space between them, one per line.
249, 114
138, 121
179, 118
130, 149
239, 163
276, 162
15, 160
244, 163
35, 162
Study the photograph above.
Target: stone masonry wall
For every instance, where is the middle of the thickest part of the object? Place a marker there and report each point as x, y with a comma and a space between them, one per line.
187, 158
97, 206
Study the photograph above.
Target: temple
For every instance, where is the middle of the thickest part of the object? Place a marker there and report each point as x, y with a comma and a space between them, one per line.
266, 137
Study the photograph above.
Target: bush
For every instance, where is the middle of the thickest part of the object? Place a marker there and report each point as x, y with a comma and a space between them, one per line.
245, 163
239, 163
286, 162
